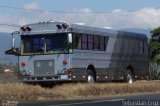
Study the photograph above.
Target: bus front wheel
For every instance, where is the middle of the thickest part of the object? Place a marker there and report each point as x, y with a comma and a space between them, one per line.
90, 76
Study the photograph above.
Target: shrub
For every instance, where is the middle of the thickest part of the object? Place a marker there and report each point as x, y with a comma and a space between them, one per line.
154, 71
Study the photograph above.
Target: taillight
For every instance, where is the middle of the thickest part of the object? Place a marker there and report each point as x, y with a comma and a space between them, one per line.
28, 28
65, 25
23, 29
23, 64
20, 74
59, 26
65, 62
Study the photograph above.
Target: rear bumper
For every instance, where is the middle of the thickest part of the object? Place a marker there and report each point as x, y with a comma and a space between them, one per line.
44, 78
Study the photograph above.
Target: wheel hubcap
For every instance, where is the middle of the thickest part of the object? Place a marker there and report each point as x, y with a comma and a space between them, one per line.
129, 79
90, 79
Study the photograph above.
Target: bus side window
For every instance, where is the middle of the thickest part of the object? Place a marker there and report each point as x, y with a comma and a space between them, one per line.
84, 41
96, 43
90, 42
141, 47
102, 44
145, 48
76, 41
106, 42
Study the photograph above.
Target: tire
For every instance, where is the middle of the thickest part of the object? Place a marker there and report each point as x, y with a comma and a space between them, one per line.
90, 76
129, 77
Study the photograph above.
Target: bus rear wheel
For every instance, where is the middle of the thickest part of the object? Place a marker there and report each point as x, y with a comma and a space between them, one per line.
90, 76
129, 77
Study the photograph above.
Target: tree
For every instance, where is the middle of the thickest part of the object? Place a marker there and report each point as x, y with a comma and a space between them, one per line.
154, 71
154, 44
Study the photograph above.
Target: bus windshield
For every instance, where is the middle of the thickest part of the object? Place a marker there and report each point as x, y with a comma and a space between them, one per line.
47, 43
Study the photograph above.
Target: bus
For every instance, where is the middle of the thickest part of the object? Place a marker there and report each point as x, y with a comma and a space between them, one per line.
60, 51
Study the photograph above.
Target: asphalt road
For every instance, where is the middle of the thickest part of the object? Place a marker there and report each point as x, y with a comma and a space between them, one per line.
131, 100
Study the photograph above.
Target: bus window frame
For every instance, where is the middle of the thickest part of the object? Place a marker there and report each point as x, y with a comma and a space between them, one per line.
69, 51
105, 43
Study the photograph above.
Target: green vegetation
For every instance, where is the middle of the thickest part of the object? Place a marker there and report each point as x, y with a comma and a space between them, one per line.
10, 66
154, 71
154, 45
8, 77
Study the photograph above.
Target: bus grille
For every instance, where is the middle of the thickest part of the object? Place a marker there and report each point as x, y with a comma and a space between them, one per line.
44, 67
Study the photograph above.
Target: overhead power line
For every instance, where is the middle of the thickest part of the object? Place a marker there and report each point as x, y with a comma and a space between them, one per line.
8, 24
42, 10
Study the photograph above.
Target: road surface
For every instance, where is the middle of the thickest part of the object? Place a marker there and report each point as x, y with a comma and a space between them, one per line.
131, 100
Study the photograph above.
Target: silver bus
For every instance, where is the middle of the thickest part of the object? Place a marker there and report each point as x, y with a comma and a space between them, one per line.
59, 51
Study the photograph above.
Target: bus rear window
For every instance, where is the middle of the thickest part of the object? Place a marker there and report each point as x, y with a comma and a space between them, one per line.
45, 43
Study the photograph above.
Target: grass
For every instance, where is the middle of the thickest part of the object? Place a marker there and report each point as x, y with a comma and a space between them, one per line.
20, 91
8, 78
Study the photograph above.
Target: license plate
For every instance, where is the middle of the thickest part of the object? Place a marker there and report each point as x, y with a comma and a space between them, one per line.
64, 76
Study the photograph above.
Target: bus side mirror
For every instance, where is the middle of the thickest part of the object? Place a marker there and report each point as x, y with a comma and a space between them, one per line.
70, 38
13, 51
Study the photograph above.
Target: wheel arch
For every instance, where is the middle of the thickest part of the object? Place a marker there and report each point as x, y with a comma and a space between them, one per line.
130, 67
93, 69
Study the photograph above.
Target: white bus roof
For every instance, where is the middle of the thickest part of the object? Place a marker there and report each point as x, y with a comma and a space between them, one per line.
50, 27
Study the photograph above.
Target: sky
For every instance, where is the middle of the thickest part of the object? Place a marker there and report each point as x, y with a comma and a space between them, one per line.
116, 14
